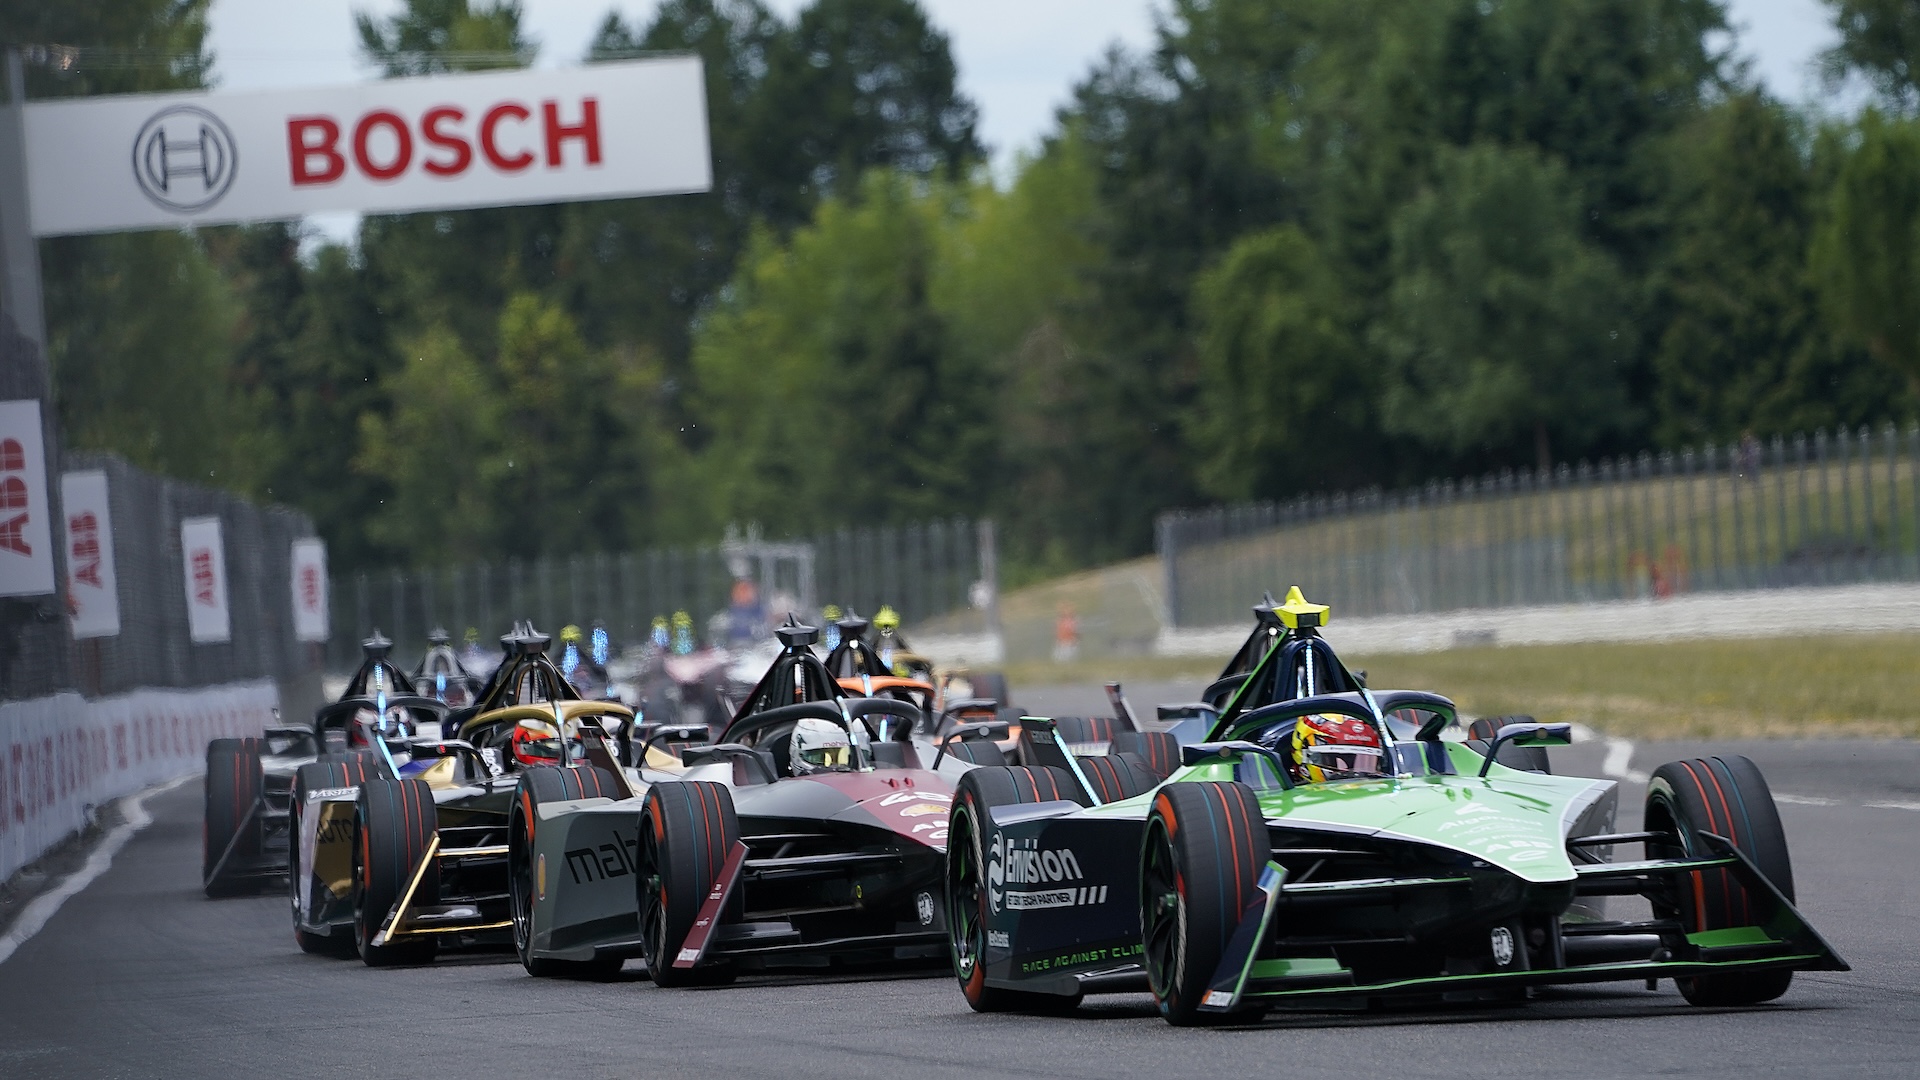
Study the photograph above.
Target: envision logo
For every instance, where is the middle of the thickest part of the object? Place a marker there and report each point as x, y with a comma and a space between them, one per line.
184, 158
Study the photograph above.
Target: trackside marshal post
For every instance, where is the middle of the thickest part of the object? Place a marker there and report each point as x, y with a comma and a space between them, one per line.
444, 142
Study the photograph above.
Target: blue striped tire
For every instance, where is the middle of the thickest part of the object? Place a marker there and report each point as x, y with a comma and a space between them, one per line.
1725, 796
1200, 861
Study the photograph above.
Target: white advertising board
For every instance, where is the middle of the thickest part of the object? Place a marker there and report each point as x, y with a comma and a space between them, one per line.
26, 536
442, 142
93, 588
205, 558
310, 590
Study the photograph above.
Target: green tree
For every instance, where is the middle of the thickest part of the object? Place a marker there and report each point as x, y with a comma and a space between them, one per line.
1866, 253
1502, 326
1286, 400
1880, 40
433, 36
824, 379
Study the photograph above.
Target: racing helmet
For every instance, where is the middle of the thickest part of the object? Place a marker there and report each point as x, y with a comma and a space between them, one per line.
887, 620
1328, 746
535, 743
819, 746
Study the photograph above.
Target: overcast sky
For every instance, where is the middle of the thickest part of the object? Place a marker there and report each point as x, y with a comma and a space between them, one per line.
1018, 59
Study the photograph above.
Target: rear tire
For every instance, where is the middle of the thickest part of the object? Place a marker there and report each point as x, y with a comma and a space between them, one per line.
394, 825
1726, 796
1482, 732
548, 784
1117, 776
1158, 750
1200, 863
687, 827
979, 791
320, 775
233, 786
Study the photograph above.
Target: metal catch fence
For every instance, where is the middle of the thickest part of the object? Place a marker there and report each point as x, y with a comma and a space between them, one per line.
922, 571
1819, 510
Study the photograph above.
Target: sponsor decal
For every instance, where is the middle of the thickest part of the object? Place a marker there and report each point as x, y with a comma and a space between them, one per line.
541, 876
997, 939
1502, 946
1056, 898
914, 796
605, 862
184, 158
1119, 953
1218, 999
687, 956
922, 810
924, 905
1018, 862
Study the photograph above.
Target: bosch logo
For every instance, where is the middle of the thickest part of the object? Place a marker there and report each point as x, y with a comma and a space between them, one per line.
184, 158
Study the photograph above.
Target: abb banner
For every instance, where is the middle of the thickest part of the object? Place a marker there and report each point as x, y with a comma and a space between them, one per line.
205, 560
93, 589
26, 543
604, 131
310, 590
63, 754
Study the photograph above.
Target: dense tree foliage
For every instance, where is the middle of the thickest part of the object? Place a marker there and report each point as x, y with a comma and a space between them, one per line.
1296, 245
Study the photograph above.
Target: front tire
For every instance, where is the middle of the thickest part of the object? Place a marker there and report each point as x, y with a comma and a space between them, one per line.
979, 791
1726, 796
319, 775
1200, 864
394, 826
687, 827
233, 785
548, 784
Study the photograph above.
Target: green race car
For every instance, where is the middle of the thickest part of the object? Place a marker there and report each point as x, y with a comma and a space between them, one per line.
1325, 843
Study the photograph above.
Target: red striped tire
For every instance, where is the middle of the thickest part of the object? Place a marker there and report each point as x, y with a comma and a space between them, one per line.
1200, 863
1159, 751
687, 827
358, 766
233, 785
321, 775
968, 824
1728, 797
1116, 776
394, 825
549, 784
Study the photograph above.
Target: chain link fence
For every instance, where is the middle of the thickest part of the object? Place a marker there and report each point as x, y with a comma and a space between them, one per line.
923, 571
1820, 510
153, 647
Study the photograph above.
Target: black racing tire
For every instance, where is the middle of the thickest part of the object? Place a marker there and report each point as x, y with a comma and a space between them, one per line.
233, 785
359, 766
1116, 776
319, 775
547, 784
1159, 751
687, 827
1086, 729
991, 685
1726, 796
1482, 732
394, 825
1200, 863
979, 791
977, 751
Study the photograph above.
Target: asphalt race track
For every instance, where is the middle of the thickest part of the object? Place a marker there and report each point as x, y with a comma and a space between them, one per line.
141, 976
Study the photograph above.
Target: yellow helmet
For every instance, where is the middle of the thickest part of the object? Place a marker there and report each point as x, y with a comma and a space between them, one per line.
1328, 746
830, 612
886, 619
681, 618
569, 632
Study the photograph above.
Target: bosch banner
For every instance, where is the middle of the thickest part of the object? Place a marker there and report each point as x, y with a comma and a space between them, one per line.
26, 536
604, 131
310, 590
93, 590
205, 558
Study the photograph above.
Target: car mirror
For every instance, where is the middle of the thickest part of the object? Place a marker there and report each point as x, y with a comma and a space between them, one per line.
1527, 735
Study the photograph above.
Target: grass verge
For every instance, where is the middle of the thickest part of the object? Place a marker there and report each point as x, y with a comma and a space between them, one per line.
1856, 685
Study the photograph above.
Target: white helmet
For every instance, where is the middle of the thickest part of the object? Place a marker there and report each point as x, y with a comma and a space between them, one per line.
819, 746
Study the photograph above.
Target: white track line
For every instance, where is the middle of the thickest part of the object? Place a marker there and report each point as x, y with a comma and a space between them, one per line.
36, 914
1895, 805
1807, 800
1619, 762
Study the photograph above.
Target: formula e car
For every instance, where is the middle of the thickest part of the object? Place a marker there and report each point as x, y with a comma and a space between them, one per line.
1325, 844
441, 675
755, 857
249, 797
393, 860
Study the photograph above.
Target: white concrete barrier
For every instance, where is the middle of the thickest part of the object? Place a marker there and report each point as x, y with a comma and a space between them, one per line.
63, 754
1756, 613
